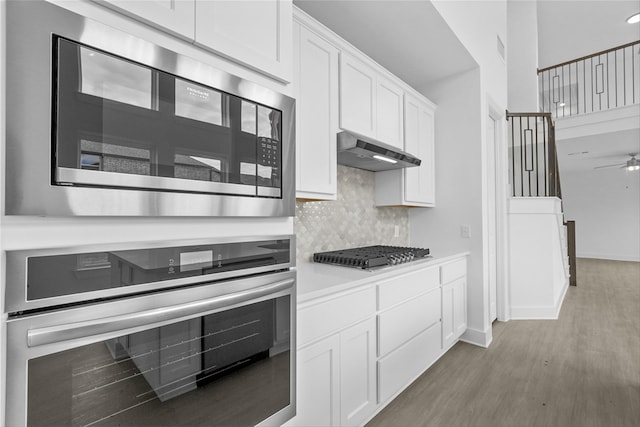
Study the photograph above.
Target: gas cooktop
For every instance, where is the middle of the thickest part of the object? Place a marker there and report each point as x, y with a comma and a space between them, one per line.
368, 257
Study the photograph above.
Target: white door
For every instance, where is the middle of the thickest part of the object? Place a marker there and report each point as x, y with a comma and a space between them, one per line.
491, 213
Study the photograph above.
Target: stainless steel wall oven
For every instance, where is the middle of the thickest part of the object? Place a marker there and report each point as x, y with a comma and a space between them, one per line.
104, 123
166, 333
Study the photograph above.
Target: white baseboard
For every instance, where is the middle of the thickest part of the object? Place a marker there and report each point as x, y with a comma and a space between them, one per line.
533, 313
542, 312
477, 337
611, 257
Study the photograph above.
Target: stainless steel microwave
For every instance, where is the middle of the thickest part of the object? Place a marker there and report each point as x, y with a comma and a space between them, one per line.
100, 122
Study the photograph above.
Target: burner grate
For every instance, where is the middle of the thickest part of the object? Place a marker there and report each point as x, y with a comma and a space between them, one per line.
371, 256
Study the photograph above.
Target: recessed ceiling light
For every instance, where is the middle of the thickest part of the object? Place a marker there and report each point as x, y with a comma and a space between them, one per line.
634, 19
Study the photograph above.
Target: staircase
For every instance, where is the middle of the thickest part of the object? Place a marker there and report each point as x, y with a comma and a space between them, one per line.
540, 267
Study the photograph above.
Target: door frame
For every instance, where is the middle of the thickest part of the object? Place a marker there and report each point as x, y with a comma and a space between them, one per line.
501, 183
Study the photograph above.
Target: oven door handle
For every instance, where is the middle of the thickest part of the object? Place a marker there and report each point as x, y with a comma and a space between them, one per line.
107, 325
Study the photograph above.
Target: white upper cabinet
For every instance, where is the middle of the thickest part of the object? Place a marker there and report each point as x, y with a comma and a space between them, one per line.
419, 121
257, 33
357, 96
176, 16
316, 88
414, 186
389, 112
370, 103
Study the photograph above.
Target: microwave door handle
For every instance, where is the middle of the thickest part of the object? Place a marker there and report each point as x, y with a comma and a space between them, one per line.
72, 331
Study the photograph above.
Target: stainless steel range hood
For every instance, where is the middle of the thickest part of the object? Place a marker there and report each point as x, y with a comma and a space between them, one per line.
365, 153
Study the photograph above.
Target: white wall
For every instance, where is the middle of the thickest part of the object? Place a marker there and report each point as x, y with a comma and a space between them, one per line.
570, 29
478, 25
522, 51
605, 205
458, 186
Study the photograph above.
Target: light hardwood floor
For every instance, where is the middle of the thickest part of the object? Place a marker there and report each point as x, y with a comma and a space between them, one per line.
580, 370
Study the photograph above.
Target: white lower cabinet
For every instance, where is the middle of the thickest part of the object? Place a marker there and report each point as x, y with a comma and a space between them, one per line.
453, 277
337, 378
318, 379
359, 348
357, 373
399, 324
398, 369
454, 311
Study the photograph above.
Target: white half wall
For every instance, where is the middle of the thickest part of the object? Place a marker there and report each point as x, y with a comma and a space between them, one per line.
538, 269
605, 204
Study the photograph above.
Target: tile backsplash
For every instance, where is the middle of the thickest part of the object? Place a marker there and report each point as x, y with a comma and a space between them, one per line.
352, 220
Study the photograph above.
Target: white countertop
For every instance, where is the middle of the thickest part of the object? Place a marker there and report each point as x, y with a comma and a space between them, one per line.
315, 280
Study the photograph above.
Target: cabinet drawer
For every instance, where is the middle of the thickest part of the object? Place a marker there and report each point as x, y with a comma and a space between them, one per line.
453, 270
398, 289
402, 366
399, 324
322, 318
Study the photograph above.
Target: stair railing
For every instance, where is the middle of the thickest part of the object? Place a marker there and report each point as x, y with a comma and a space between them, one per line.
596, 82
533, 155
534, 168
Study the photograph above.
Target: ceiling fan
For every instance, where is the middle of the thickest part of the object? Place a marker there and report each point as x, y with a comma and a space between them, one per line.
632, 164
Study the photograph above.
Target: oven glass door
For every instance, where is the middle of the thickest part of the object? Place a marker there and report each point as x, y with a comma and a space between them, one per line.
122, 124
228, 367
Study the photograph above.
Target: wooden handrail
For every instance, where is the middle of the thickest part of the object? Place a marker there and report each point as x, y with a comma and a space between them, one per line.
571, 249
602, 52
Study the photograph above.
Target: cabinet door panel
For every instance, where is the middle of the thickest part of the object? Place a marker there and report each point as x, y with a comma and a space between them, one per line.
406, 320
317, 320
357, 367
448, 333
176, 16
419, 140
389, 113
318, 382
453, 270
398, 369
317, 114
257, 33
357, 96
454, 311
460, 307
397, 289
